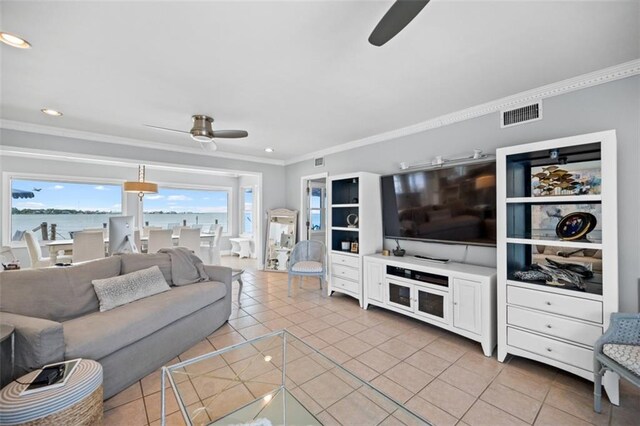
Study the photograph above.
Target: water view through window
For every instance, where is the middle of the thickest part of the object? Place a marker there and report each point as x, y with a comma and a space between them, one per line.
171, 207
71, 206
247, 215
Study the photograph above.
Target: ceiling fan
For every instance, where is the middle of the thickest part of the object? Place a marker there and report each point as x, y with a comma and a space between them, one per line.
202, 131
397, 17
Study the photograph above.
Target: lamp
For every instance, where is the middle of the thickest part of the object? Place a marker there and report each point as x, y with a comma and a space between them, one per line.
140, 186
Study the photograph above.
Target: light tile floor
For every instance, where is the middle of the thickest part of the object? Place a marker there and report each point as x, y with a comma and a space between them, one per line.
439, 375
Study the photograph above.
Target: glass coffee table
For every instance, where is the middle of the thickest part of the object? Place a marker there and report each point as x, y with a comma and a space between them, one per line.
276, 379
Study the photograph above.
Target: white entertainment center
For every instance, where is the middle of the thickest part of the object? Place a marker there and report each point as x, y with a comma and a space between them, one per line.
455, 296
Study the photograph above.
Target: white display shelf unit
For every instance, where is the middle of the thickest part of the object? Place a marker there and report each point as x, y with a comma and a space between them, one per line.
454, 296
359, 194
557, 325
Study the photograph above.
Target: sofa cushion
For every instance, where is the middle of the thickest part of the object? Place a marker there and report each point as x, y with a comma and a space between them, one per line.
99, 334
132, 262
57, 293
127, 288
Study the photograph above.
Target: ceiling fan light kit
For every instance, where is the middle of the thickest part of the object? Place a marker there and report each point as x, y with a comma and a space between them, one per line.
203, 133
202, 130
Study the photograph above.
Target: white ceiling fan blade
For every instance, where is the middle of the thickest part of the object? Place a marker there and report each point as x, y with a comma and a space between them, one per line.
232, 134
165, 129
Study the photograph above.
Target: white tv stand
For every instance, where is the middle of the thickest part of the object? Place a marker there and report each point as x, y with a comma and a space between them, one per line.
455, 296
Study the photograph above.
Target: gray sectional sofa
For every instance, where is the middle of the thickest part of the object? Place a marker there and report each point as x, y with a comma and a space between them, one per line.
56, 315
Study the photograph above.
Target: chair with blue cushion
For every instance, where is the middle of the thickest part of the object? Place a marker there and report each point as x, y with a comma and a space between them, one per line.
617, 350
307, 259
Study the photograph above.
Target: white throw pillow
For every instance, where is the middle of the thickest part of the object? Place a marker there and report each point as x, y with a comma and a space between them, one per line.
123, 289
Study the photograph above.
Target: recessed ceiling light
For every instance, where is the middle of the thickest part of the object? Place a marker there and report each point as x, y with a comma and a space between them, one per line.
269, 150
14, 40
51, 112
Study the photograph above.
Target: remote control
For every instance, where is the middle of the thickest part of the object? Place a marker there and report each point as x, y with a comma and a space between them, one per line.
431, 259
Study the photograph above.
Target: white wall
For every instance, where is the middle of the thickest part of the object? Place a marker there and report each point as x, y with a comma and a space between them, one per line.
614, 105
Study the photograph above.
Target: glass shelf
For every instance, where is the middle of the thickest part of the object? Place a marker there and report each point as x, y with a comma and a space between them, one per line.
577, 199
340, 206
545, 237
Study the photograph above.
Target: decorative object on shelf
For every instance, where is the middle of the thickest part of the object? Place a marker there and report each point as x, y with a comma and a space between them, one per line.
352, 221
354, 200
354, 247
439, 161
540, 249
386, 252
346, 245
572, 179
140, 186
398, 251
556, 274
553, 178
576, 226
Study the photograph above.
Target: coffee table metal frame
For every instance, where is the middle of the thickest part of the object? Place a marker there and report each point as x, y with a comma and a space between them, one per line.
167, 370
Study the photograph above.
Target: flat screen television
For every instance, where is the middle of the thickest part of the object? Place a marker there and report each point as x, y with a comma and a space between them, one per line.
450, 204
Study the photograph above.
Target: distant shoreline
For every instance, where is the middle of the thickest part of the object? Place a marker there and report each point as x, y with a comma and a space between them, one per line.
71, 211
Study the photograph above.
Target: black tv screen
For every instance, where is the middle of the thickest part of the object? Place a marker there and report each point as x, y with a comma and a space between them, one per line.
450, 204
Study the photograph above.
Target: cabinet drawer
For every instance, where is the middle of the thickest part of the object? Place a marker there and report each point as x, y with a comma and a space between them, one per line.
341, 259
553, 349
345, 272
590, 310
341, 284
553, 326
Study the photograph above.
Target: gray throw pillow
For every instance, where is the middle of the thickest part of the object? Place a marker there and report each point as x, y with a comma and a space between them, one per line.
123, 289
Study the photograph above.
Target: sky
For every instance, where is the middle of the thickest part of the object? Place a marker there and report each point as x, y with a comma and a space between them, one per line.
102, 197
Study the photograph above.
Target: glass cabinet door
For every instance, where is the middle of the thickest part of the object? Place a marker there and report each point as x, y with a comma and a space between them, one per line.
399, 295
432, 304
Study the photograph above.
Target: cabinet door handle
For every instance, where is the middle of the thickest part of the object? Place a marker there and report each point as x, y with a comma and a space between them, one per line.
548, 349
455, 303
548, 303
548, 325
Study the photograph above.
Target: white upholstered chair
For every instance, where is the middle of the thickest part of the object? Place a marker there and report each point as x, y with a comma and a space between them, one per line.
214, 252
307, 259
35, 252
146, 229
190, 238
88, 245
6, 254
158, 239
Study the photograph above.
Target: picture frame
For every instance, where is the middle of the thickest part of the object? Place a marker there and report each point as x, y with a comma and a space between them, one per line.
354, 247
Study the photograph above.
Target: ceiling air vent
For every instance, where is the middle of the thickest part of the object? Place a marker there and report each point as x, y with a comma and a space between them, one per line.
318, 162
521, 115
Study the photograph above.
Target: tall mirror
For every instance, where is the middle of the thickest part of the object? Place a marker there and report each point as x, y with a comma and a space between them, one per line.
281, 237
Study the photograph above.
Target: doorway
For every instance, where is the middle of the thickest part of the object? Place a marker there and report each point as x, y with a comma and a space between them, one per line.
313, 223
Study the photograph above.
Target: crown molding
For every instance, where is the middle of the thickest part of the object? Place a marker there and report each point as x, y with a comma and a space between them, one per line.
606, 75
100, 137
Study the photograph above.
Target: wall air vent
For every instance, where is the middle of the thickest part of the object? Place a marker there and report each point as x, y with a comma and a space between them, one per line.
318, 162
524, 114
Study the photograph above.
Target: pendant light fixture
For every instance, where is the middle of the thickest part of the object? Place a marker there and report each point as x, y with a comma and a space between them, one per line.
140, 186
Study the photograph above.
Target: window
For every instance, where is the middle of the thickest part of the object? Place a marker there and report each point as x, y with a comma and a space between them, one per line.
172, 207
71, 206
316, 208
247, 211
